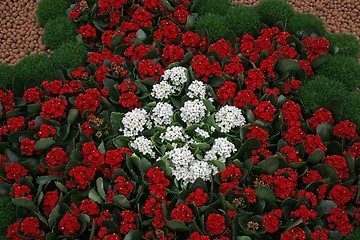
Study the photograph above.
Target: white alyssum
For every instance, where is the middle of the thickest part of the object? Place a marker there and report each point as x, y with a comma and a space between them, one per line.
220, 150
162, 90
197, 89
203, 170
193, 111
143, 145
172, 134
162, 114
134, 122
229, 117
176, 76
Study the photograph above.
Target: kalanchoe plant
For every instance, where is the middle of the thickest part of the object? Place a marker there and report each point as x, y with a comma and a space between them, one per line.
167, 135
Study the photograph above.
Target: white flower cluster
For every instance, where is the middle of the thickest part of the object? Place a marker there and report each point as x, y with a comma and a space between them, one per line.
172, 134
193, 111
221, 150
186, 168
143, 145
229, 117
162, 90
134, 122
197, 89
202, 132
176, 76
162, 114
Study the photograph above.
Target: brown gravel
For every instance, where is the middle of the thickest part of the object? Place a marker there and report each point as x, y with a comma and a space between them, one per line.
19, 35
339, 16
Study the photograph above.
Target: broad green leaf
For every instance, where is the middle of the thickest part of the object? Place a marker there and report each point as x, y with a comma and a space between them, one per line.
44, 143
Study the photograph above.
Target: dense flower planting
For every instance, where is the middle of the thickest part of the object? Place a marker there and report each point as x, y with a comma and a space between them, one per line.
165, 135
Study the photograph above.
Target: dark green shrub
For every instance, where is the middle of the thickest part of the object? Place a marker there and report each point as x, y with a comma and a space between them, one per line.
342, 69
242, 19
34, 68
320, 92
348, 44
277, 10
6, 74
204, 7
69, 55
7, 214
351, 108
215, 26
51, 9
58, 31
301, 21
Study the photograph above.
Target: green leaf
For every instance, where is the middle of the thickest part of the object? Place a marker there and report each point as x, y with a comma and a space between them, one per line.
61, 187
100, 188
289, 65
317, 62
219, 164
122, 201
249, 145
325, 131
265, 193
44, 143
34, 108
42, 180
141, 86
115, 120
121, 141
216, 81
326, 206
24, 202
55, 213
93, 195
133, 235
270, 165
176, 225
316, 156
73, 114
140, 34
116, 40
101, 148
209, 105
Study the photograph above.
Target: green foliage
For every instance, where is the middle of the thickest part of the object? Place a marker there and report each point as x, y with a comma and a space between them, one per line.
204, 7
58, 31
7, 214
272, 11
355, 235
301, 21
35, 68
69, 55
242, 19
6, 74
348, 44
320, 92
51, 9
215, 26
343, 69
351, 108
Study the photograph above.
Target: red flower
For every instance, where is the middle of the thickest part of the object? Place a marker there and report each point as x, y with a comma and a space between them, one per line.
33, 95
181, 14
114, 19
294, 135
148, 69
315, 47
244, 97
221, 47
232, 172
49, 201
226, 91
292, 85
114, 158
69, 225
271, 220
15, 171
291, 112
46, 131
215, 224
267, 66
288, 51
307, 67
90, 100
303, 213
168, 32
21, 191
7, 101
129, 100
320, 116
197, 236
290, 154
182, 213
138, 52
30, 227
158, 182
265, 111
128, 222
318, 234
172, 53
142, 17
56, 158
123, 186
255, 79
15, 124
198, 197
354, 150
89, 207
295, 233
81, 176
27, 147
339, 221
313, 142
91, 155
234, 68
340, 195
54, 109
346, 129
87, 31
340, 165
258, 133
203, 68
191, 40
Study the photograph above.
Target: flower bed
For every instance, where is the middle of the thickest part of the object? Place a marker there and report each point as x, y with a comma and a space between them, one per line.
174, 131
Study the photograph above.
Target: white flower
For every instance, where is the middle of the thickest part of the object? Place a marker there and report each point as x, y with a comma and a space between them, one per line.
221, 150
203, 170
162, 90
197, 89
173, 133
134, 122
176, 76
162, 114
193, 111
229, 117
202, 132
144, 146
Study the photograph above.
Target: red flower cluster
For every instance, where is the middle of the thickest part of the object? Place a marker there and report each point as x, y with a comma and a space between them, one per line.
54, 109
203, 68
226, 91
346, 129
304, 214
315, 47
320, 116
339, 221
271, 221
182, 213
15, 171
69, 225
340, 165
215, 224
158, 182
198, 197
49, 201
88, 101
